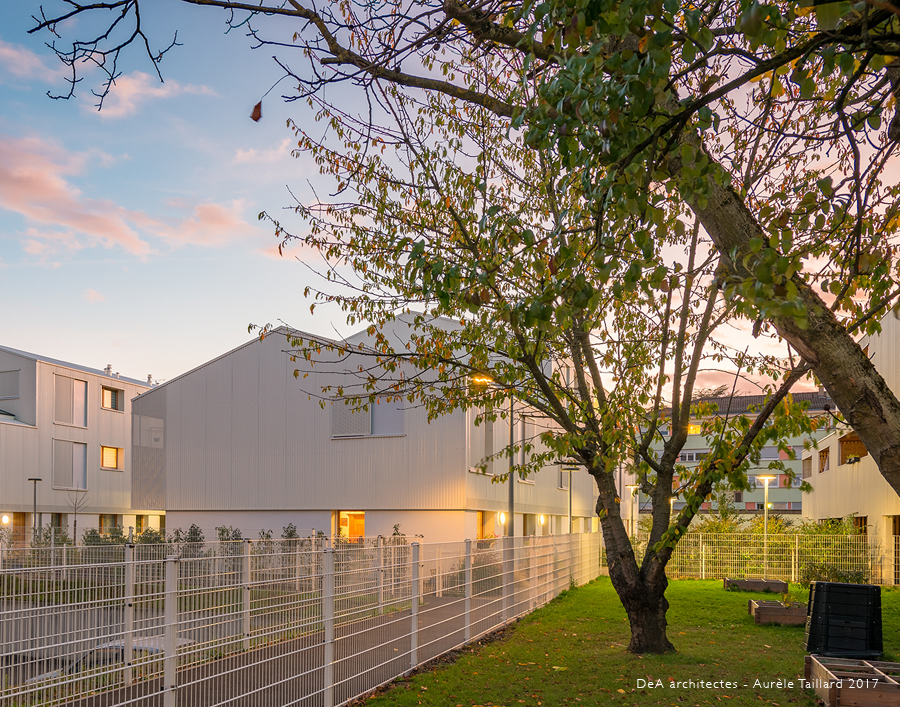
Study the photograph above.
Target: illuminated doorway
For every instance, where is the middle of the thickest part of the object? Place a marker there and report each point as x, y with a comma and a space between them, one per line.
352, 525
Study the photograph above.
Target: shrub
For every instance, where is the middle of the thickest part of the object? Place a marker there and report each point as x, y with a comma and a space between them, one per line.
825, 572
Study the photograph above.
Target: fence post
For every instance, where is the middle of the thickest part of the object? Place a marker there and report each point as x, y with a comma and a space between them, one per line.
379, 559
328, 616
796, 551
170, 643
415, 592
702, 558
468, 584
532, 572
128, 594
505, 576
245, 590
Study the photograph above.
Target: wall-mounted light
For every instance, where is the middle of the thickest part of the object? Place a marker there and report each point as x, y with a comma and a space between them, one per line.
542, 519
4, 519
501, 516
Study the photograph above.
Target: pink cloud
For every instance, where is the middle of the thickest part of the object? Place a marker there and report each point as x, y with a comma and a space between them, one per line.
93, 296
131, 90
21, 62
35, 182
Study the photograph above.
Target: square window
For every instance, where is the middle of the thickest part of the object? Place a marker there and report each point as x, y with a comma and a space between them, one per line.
112, 399
111, 457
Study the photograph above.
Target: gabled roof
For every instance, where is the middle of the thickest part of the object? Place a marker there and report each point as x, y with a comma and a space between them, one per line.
741, 404
73, 366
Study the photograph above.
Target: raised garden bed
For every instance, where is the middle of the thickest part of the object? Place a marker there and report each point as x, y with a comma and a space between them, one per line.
842, 682
774, 612
776, 586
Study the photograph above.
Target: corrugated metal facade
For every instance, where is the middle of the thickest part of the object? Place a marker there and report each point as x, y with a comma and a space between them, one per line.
241, 433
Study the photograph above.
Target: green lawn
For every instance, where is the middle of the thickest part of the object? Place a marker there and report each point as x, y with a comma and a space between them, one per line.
572, 652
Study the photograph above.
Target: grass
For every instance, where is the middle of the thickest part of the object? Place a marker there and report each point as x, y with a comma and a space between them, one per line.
572, 652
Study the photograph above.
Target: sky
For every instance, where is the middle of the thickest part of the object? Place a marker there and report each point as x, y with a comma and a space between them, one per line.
129, 236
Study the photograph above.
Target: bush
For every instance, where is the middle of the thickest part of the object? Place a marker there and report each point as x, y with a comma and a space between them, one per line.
824, 572
151, 536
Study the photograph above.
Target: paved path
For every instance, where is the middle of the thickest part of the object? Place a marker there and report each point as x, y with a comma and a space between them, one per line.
368, 653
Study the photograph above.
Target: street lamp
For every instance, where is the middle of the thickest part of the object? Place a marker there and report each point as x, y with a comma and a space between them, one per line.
485, 379
570, 469
633, 489
766, 479
34, 508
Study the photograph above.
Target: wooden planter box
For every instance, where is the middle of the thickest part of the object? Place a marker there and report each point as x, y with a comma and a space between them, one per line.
842, 682
776, 586
774, 612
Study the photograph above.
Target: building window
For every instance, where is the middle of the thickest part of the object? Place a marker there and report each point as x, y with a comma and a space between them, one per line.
111, 457
738, 496
807, 467
525, 479
70, 401
384, 418
112, 399
861, 524
686, 457
69, 465
108, 521
141, 523
823, 460
694, 428
852, 449
9, 385
352, 525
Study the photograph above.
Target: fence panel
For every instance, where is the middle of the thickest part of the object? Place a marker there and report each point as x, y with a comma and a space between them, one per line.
791, 557
299, 621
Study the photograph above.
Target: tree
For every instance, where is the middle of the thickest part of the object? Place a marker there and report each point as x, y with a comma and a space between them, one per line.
767, 120
618, 100
591, 336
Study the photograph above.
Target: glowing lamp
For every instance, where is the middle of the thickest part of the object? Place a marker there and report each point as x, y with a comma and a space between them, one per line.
542, 519
4, 519
501, 516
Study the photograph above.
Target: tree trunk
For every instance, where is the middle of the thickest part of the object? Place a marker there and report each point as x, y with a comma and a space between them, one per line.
641, 589
646, 606
850, 378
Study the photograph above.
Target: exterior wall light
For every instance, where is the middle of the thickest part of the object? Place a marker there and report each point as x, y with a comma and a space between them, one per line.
542, 519
4, 519
501, 516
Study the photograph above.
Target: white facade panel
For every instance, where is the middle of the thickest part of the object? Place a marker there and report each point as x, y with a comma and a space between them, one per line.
29, 439
243, 436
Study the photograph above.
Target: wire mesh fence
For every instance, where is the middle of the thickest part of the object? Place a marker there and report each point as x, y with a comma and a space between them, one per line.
299, 621
790, 557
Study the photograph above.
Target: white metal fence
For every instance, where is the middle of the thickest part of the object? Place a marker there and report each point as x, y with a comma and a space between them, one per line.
789, 557
259, 622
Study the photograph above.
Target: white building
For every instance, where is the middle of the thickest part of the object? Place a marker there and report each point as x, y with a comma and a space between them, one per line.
240, 442
845, 479
70, 427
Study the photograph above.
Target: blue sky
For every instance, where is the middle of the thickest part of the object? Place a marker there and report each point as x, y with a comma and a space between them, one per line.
130, 236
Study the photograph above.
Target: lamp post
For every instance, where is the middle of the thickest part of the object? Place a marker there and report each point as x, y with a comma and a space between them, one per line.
35, 481
570, 468
766, 480
486, 379
632, 488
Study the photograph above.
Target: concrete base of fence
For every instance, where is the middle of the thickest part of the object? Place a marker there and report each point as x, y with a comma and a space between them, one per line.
776, 586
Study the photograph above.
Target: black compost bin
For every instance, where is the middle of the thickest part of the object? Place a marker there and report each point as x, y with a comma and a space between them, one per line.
844, 620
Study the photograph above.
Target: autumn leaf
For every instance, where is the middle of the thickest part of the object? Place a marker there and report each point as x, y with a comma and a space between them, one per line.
257, 112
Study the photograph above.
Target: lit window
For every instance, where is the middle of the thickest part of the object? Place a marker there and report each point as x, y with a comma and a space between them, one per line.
112, 399
110, 457
694, 428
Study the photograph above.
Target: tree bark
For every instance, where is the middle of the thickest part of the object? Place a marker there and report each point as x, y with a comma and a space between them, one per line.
640, 589
840, 363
